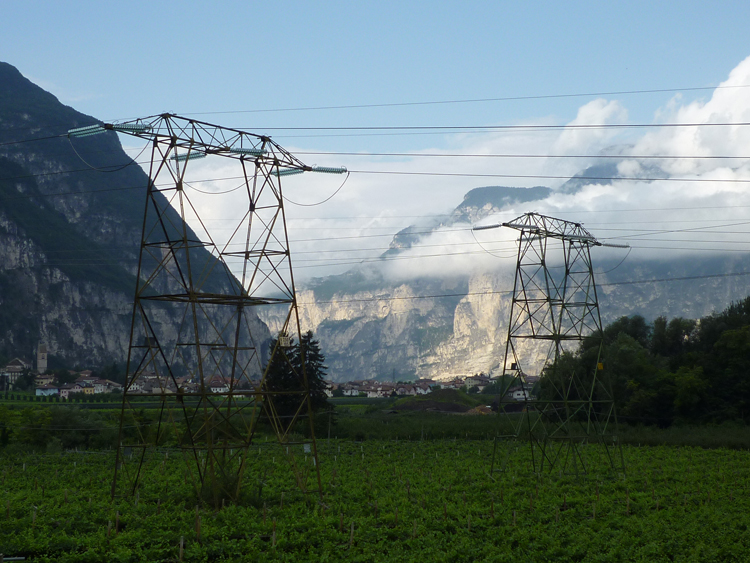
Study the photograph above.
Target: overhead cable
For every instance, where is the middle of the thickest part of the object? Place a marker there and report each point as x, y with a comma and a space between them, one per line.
471, 100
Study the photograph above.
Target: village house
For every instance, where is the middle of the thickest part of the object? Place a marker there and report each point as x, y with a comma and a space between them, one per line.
422, 388
86, 379
47, 390
44, 379
136, 386
12, 371
349, 389
113, 385
455, 383
478, 381
68, 389
189, 387
406, 389
519, 393
218, 385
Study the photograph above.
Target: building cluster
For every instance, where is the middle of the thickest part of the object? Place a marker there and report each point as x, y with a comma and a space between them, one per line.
46, 384
374, 389
86, 382
378, 389
149, 383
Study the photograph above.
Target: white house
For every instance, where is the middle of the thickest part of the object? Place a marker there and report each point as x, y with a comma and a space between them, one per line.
46, 390
518, 394
218, 386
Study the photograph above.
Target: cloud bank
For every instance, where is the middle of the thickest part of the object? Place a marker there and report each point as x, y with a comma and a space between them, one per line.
663, 207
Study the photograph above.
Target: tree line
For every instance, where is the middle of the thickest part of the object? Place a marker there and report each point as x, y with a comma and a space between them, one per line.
673, 371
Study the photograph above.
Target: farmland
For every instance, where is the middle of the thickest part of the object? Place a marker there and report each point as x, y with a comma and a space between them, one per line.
384, 500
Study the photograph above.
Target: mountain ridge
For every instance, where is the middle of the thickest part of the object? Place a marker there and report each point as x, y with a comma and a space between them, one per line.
374, 326
71, 218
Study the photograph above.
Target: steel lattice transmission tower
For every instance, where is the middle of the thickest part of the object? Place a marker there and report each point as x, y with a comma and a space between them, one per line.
554, 308
206, 371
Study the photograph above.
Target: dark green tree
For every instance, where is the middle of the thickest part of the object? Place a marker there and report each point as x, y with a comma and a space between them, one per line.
113, 372
25, 381
63, 376
316, 370
636, 327
285, 375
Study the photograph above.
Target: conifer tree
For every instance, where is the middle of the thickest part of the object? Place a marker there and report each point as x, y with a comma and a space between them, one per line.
285, 375
315, 369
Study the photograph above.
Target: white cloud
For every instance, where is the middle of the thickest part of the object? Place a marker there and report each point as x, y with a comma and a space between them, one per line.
359, 222
583, 141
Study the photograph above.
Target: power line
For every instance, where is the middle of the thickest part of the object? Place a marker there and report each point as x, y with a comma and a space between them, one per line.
681, 278
21, 141
465, 128
78, 192
345, 261
117, 167
430, 216
511, 155
504, 244
551, 177
606, 284
435, 174
472, 100
510, 292
511, 254
350, 260
705, 229
520, 127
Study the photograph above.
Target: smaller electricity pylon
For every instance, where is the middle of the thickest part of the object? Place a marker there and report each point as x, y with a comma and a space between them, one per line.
554, 308
197, 355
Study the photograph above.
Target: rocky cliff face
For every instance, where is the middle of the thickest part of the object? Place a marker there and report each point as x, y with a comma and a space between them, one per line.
370, 327
67, 262
67, 265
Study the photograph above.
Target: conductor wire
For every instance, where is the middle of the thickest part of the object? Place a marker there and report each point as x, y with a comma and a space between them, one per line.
132, 160
320, 202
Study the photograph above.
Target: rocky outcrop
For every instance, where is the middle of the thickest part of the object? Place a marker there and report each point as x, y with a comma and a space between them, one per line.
370, 327
68, 262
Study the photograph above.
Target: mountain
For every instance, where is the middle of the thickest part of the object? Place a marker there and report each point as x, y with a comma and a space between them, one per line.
71, 215
371, 325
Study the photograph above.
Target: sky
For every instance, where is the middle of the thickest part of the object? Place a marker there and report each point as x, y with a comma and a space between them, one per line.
247, 65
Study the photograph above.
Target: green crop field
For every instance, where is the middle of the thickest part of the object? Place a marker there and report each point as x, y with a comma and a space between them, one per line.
384, 500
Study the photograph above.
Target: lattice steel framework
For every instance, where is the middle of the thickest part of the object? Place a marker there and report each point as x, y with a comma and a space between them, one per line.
206, 373
554, 307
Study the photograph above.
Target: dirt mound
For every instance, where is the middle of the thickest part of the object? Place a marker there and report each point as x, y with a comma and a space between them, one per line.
481, 409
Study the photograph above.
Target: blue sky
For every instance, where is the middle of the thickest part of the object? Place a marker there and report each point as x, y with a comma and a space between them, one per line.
135, 58
117, 60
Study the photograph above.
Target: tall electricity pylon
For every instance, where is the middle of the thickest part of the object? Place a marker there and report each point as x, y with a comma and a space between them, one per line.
553, 309
194, 348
